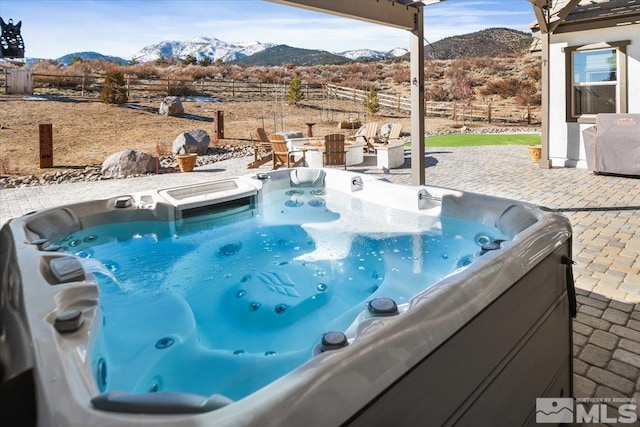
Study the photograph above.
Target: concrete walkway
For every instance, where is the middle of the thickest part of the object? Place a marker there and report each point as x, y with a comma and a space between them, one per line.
604, 211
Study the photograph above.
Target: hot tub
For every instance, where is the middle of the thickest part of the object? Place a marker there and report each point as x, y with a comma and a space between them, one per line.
296, 297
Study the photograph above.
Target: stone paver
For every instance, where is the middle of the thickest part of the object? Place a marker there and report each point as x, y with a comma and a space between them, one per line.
604, 212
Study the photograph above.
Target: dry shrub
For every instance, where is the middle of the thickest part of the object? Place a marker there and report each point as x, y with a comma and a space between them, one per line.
505, 88
46, 67
525, 92
402, 75
437, 93
528, 94
144, 71
480, 63
533, 72
181, 88
59, 82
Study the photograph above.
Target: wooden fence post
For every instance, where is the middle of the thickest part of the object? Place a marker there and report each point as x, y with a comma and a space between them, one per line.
455, 112
529, 114
84, 76
489, 112
46, 145
233, 88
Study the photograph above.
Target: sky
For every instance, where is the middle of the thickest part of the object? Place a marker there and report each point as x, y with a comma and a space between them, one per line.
53, 28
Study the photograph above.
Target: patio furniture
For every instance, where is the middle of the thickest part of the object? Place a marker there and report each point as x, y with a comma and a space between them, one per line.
368, 134
394, 134
261, 149
282, 155
314, 149
389, 156
334, 150
612, 146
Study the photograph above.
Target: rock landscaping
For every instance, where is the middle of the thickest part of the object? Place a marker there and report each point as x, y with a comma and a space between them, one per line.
168, 164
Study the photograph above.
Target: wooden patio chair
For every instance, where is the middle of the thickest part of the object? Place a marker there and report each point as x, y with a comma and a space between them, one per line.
369, 135
334, 151
261, 149
281, 154
394, 134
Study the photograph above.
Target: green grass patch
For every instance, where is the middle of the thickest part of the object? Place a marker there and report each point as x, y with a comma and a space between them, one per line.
471, 139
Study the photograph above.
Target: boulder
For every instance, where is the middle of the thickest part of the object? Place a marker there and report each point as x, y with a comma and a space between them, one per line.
128, 162
171, 106
197, 141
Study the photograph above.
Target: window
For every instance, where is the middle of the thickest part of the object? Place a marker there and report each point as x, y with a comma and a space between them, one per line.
596, 80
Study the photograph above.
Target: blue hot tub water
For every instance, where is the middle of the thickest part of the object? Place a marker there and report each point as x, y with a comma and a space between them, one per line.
236, 305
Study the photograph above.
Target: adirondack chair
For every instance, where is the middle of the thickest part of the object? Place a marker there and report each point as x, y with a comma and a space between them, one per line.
394, 134
261, 149
369, 135
334, 151
281, 154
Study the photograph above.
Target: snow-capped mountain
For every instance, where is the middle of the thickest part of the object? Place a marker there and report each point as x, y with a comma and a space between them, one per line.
397, 52
200, 47
361, 54
212, 48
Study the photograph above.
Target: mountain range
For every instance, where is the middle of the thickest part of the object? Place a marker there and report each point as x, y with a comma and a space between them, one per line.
200, 48
488, 43
255, 53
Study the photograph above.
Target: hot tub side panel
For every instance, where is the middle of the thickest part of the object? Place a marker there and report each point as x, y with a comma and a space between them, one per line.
517, 349
17, 391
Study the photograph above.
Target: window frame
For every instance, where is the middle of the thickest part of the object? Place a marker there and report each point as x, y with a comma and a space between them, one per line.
620, 49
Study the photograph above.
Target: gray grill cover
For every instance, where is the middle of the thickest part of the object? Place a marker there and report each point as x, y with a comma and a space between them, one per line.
613, 145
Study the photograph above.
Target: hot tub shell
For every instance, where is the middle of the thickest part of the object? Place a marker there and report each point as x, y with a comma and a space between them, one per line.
476, 348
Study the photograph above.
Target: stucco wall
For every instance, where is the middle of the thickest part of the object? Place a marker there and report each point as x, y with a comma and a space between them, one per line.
565, 139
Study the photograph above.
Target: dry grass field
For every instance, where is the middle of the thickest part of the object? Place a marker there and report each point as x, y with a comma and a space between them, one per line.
86, 132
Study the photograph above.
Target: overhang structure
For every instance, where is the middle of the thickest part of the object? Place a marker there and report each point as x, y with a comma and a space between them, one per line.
402, 14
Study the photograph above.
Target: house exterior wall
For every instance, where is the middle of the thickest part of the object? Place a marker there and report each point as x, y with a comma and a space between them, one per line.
566, 147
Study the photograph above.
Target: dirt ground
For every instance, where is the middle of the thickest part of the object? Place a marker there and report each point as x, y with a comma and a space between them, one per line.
86, 132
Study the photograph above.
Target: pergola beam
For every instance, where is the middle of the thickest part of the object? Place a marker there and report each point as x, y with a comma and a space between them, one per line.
562, 14
390, 13
540, 8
